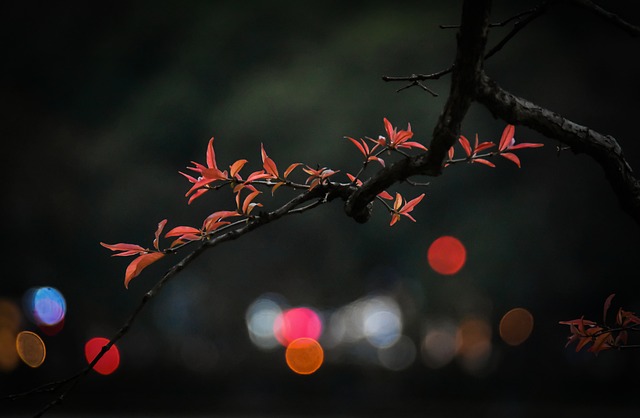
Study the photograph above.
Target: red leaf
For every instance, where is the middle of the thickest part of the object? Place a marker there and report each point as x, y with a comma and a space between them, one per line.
196, 195
182, 230
236, 167
451, 152
483, 161
607, 304
526, 145
364, 149
290, 169
408, 207
158, 232
258, 175
247, 206
268, 164
378, 159
507, 136
126, 249
465, 145
601, 343
398, 202
200, 183
583, 341
139, 264
276, 187
511, 157
412, 144
211, 155
383, 194
483, 146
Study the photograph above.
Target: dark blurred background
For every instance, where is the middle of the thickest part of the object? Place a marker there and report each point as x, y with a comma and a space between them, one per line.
103, 103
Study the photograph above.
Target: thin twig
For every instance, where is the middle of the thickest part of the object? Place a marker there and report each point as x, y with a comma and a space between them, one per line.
613, 18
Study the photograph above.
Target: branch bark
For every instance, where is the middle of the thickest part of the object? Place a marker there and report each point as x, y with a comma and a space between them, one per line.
470, 83
467, 69
602, 148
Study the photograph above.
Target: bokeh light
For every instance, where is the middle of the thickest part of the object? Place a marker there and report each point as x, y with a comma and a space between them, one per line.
297, 323
107, 363
10, 319
377, 319
304, 355
45, 305
439, 344
8, 355
51, 330
516, 326
398, 356
446, 255
382, 321
260, 318
473, 343
31, 348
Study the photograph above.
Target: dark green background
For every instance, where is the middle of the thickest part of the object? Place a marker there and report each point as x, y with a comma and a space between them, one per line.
103, 103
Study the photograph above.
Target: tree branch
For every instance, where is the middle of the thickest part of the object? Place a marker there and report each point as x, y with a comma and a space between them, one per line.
603, 148
467, 68
607, 15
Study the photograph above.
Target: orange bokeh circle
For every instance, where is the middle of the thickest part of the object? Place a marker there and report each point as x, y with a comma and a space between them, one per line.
304, 355
516, 326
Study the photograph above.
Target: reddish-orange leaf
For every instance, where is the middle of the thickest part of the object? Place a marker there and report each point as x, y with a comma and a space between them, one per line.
258, 175
363, 147
214, 221
383, 194
182, 230
525, 145
353, 179
571, 339
483, 146
139, 264
247, 205
583, 341
465, 145
268, 164
605, 309
156, 241
511, 157
127, 249
378, 159
221, 214
276, 186
483, 161
190, 178
578, 322
211, 155
601, 343
507, 137
412, 144
408, 207
451, 153
200, 183
621, 339
212, 226
196, 195
398, 202
235, 168
394, 218
290, 169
